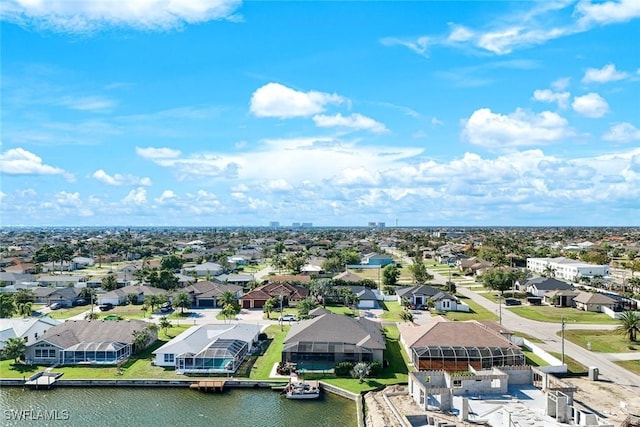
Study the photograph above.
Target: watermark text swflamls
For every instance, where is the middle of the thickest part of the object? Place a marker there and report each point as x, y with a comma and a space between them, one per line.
36, 415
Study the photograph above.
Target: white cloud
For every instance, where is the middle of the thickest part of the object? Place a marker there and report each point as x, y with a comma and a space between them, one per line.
607, 12
166, 195
354, 121
419, 45
435, 122
120, 179
86, 16
88, 103
608, 73
278, 185
590, 105
561, 83
276, 100
547, 95
459, 33
622, 132
520, 128
137, 196
18, 161
157, 153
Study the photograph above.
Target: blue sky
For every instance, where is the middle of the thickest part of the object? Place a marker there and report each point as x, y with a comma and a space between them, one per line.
220, 113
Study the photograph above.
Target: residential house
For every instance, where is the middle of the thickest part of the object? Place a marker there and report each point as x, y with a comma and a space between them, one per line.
205, 294
63, 296
589, 301
446, 302
472, 265
205, 269
417, 295
10, 279
29, 329
207, 349
289, 278
347, 276
538, 286
323, 341
561, 298
288, 292
454, 346
88, 342
80, 262
61, 280
120, 296
235, 279
366, 297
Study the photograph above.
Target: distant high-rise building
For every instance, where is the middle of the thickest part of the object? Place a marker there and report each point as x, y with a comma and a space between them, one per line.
274, 224
307, 224
381, 225
371, 224
295, 224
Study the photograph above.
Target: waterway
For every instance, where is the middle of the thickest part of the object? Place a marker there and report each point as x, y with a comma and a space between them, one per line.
159, 407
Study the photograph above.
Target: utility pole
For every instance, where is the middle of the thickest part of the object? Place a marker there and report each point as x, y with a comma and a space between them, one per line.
500, 309
281, 313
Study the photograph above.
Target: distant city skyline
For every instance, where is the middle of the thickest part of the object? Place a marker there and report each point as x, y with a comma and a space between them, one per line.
201, 113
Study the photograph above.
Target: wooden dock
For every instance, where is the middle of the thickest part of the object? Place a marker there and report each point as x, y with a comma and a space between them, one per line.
209, 386
44, 380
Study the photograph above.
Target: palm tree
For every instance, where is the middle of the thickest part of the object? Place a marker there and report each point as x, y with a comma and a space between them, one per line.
24, 295
305, 306
228, 311
268, 306
165, 324
227, 297
182, 300
406, 315
630, 324
91, 316
549, 271
14, 348
360, 371
140, 339
25, 309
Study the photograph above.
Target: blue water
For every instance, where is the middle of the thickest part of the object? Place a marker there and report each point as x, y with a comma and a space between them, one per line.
155, 407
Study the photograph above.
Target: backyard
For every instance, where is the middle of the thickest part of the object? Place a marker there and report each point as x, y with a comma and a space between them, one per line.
477, 312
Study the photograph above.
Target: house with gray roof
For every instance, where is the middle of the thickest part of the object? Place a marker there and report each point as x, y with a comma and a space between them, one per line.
205, 269
63, 296
323, 341
207, 349
99, 342
206, 293
120, 296
538, 286
416, 295
590, 301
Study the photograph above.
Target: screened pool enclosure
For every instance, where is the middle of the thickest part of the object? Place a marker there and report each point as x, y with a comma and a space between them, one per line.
455, 358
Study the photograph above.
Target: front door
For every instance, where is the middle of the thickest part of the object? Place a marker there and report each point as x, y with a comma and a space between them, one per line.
180, 363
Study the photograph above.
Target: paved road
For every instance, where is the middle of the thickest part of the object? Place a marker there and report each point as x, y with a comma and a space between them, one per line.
609, 371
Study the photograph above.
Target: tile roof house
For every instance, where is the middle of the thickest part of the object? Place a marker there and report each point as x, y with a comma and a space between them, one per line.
290, 294
88, 342
214, 348
453, 346
323, 341
206, 293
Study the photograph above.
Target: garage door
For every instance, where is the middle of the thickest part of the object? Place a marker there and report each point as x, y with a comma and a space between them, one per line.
206, 302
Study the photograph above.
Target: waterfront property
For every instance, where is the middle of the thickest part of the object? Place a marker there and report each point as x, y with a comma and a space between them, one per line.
454, 346
88, 342
321, 342
207, 349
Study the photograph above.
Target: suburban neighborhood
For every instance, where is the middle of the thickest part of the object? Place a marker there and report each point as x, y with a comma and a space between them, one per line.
422, 320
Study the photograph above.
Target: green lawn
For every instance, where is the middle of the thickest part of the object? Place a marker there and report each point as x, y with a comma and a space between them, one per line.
65, 313
545, 313
392, 310
573, 365
528, 337
532, 359
477, 312
138, 366
273, 353
601, 341
496, 298
630, 365
125, 311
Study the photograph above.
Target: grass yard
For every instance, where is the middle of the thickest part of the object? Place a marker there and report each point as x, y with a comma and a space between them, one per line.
630, 365
65, 313
532, 359
138, 366
601, 341
272, 354
477, 312
392, 310
125, 311
528, 337
573, 365
496, 298
545, 313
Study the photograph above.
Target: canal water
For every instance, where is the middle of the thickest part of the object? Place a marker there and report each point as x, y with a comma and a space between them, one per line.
159, 407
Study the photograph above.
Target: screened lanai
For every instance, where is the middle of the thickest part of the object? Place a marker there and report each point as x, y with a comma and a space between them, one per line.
221, 356
104, 352
323, 355
457, 358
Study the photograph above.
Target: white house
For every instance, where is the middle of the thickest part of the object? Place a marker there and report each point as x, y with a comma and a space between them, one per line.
204, 269
213, 348
29, 329
447, 302
81, 262
539, 286
566, 268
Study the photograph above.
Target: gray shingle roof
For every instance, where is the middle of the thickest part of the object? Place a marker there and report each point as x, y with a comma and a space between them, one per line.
73, 332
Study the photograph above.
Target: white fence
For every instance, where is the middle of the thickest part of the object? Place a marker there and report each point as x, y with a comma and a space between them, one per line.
555, 365
611, 313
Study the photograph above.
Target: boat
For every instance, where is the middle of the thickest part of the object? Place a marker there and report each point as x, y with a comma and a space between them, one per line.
298, 389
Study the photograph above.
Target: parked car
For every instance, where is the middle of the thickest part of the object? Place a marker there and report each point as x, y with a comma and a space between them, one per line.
36, 313
106, 306
80, 301
166, 307
55, 306
512, 301
287, 317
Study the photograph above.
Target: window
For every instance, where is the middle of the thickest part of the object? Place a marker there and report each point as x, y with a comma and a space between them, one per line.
457, 383
26, 339
45, 353
168, 358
